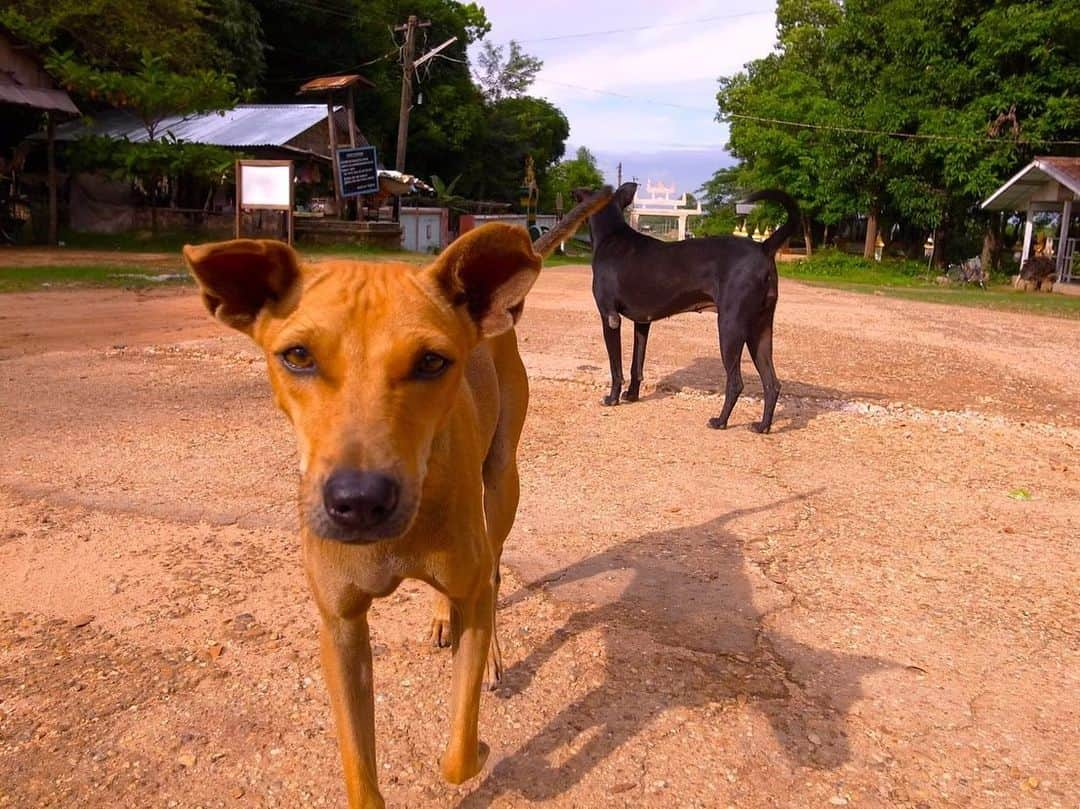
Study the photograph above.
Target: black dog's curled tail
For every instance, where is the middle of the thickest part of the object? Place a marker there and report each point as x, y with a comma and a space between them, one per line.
786, 230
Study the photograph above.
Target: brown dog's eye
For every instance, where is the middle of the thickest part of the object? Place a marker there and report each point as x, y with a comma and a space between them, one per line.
298, 359
431, 365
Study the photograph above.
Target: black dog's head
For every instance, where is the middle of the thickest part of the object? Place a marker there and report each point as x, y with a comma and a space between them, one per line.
609, 218
621, 198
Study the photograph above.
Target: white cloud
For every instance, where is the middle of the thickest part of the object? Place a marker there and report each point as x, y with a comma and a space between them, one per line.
639, 73
654, 63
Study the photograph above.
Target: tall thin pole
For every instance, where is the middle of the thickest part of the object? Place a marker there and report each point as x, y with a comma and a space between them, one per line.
331, 125
619, 170
406, 90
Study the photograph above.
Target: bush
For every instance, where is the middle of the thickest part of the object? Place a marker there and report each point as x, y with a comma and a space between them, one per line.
838, 266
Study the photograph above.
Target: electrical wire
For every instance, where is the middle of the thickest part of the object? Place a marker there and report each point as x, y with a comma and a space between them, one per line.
315, 7
612, 31
805, 125
907, 135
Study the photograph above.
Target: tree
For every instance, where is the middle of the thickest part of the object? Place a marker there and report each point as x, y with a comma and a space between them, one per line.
972, 86
186, 36
718, 198
153, 93
580, 171
513, 129
505, 75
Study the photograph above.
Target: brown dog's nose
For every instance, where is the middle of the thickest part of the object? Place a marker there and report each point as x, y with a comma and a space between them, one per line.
359, 500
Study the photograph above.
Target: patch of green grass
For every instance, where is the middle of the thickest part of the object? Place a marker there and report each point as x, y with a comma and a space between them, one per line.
911, 280
577, 259
172, 242
1002, 298
131, 242
25, 279
830, 265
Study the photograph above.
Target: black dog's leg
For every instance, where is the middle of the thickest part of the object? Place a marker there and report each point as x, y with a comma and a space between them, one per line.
731, 346
613, 341
761, 353
637, 365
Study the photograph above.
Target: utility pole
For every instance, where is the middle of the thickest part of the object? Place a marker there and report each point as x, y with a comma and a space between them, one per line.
406, 85
619, 170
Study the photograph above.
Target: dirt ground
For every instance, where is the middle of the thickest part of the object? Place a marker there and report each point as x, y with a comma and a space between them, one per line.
51, 257
850, 611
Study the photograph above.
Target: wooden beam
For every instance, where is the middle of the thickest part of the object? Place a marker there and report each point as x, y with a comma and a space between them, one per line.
332, 126
350, 110
54, 208
236, 200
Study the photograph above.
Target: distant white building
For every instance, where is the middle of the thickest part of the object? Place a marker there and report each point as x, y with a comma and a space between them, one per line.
662, 202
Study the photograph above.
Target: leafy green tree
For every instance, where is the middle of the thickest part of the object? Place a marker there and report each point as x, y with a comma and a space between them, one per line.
718, 198
357, 36
511, 129
976, 87
580, 171
503, 74
153, 93
184, 35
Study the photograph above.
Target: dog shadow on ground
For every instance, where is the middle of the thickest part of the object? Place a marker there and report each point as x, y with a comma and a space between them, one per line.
799, 404
683, 620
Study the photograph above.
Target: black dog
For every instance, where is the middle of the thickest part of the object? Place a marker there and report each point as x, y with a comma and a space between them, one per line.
645, 279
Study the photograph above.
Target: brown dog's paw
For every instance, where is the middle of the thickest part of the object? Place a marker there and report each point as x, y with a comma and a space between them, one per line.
610, 401
717, 424
494, 673
759, 427
459, 769
630, 396
440, 633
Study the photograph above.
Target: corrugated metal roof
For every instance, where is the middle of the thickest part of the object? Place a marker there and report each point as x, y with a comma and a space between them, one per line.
1014, 194
245, 125
37, 97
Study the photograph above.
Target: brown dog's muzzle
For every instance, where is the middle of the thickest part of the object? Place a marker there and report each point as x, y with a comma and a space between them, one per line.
359, 506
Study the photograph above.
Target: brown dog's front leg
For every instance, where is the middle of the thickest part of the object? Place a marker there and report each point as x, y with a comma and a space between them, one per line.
465, 754
346, 660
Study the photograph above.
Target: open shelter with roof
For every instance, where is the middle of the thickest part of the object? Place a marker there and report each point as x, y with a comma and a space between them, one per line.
26, 85
1047, 184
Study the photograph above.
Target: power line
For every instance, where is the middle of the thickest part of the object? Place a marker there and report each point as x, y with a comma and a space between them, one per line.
333, 71
908, 135
655, 101
315, 7
612, 31
805, 125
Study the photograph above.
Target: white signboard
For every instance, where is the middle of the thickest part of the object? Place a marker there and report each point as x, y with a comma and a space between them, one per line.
265, 186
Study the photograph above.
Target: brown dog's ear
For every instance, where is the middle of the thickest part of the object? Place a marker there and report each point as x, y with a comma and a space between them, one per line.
240, 277
488, 271
625, 195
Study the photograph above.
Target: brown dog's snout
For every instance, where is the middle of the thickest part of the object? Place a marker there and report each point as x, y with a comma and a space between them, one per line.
358, 500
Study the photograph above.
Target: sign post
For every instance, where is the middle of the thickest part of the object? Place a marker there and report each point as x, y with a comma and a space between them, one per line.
265, 185
358, 171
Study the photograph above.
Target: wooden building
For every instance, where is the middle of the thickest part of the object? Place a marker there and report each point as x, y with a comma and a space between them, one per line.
24, 83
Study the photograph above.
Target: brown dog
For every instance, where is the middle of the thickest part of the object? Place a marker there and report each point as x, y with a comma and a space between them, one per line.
407, 395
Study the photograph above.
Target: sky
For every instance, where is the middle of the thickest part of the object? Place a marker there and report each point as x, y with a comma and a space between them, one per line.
644, 97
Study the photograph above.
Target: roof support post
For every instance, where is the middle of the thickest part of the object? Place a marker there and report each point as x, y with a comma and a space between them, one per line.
54, 208
331, 124
1029, 231
1063, 235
